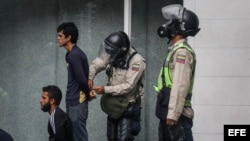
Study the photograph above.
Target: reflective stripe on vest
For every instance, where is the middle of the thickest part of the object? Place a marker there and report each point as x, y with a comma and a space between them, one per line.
168, 75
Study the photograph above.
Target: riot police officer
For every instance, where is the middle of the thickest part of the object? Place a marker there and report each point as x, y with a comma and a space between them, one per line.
176, 77
122, 95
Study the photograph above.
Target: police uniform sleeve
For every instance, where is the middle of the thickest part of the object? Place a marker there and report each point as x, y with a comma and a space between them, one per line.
129, 82
181, 74
97, 65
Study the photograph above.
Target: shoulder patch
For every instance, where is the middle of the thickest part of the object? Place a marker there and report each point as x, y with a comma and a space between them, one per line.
135, 67
180, 58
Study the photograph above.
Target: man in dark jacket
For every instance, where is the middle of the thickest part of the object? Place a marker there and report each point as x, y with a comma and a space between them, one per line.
59, 125
77, 94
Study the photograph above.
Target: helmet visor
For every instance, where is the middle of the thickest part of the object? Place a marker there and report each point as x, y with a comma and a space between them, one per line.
102, 54
174, 11
110, 49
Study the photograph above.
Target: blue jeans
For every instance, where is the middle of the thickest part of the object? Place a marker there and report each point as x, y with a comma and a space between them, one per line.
78, 115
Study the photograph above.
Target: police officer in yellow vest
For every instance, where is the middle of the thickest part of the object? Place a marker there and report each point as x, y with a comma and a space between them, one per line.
178, 69
121, 97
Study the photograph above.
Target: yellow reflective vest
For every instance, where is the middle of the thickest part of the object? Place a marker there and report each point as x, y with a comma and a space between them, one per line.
167, 74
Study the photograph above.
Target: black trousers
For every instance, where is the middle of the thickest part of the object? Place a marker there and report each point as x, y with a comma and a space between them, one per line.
126, 127
179, 132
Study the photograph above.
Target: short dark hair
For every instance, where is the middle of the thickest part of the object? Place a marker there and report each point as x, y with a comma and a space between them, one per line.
69, 28
54, 92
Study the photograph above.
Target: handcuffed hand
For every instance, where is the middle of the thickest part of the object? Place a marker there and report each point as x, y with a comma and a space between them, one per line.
92, 94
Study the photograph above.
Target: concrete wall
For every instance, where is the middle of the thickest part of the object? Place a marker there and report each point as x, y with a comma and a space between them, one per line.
28, 62
31, 58
221, 91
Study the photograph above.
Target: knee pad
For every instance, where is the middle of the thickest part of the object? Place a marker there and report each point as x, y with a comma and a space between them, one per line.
124, 130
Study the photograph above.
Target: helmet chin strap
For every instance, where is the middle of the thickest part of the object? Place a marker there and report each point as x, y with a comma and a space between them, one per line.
169, 40
112, 59
109, 71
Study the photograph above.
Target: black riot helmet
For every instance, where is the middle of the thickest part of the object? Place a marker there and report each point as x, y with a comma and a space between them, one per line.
179, 21
117, 44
